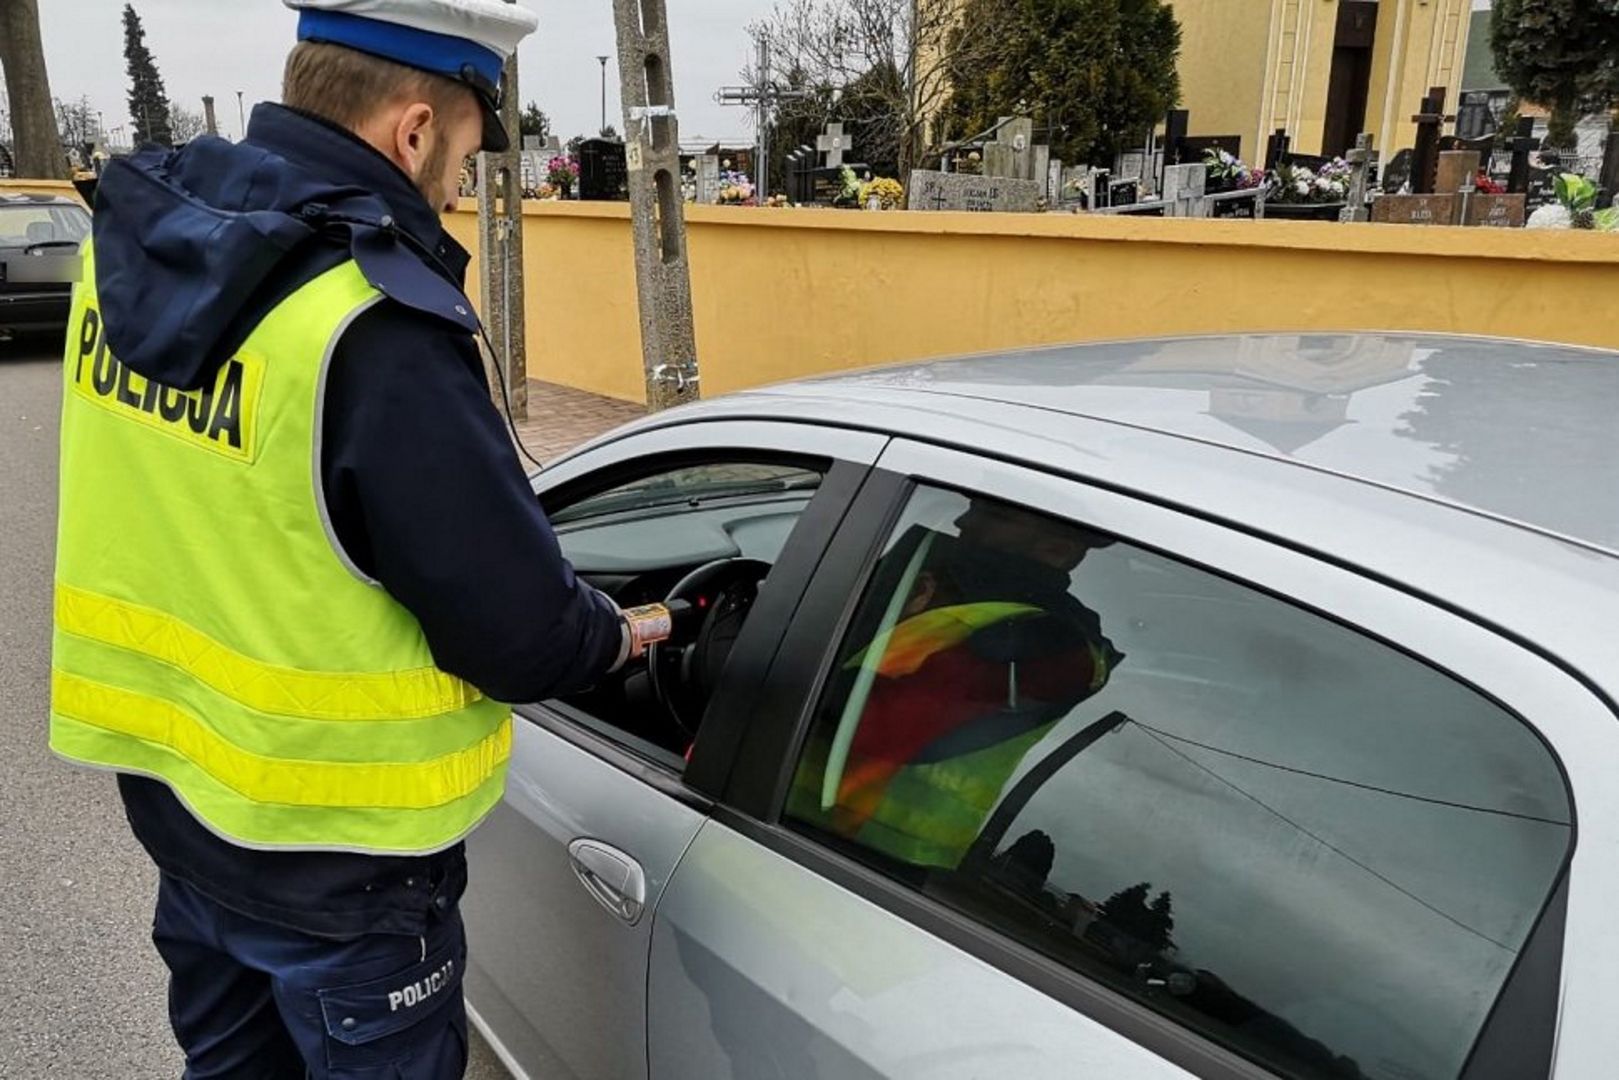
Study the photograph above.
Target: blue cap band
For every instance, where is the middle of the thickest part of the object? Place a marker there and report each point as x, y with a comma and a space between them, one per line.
440, 54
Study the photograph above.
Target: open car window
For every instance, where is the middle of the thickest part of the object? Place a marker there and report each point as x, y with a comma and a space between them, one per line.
640, 538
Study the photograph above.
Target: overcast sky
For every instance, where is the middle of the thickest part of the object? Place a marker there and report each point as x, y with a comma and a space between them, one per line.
221, 46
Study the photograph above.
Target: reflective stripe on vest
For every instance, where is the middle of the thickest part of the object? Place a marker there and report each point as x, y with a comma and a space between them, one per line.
209, 632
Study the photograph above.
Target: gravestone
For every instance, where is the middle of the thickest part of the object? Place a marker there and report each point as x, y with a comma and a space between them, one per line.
1457, 171
1609, 182
1417, 210
1074, 180
1011, 153
1184, 186
1360, 164
602, 171
1132, 165
1236, 206
708, 179
1040, 164
834, 144
930, 190
1474, 117
1276, 147
1498, 211
1523, 146
1098, 189
1054, 175
1177, 126
1542, 187
1398, 174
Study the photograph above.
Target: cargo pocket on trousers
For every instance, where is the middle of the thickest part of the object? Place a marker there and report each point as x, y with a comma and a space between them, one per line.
411, 1024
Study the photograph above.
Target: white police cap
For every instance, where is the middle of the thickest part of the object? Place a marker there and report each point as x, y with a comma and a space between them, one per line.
465, 40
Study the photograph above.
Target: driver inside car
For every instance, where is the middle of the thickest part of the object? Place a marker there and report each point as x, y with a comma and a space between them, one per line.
987, 652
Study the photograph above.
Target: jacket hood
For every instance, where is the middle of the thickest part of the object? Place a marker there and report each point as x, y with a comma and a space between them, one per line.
186, 240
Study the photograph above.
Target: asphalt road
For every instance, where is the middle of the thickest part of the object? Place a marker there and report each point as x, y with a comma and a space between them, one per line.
82, 993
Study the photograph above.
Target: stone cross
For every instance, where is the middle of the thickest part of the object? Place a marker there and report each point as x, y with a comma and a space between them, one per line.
834, 144
1011, 154
1360, 164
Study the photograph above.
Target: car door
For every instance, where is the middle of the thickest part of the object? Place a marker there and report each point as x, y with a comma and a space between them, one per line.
566, 872
1247, 813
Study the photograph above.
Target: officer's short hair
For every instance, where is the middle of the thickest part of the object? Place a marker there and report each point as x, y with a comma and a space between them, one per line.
345, 86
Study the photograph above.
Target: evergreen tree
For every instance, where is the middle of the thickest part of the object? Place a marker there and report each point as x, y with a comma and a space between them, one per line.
1094, 75
1128, 911
534, 121
148, 101
1560, 54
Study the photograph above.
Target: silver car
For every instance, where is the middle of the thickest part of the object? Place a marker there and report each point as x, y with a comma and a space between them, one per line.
1210, 707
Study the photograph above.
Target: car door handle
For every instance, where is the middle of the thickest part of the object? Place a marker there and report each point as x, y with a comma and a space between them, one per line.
612, 877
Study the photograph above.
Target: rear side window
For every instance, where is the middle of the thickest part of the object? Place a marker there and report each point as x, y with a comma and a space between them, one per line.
1289, 837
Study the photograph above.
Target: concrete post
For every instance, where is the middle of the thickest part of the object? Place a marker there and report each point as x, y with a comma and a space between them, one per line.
500, 242
657, 211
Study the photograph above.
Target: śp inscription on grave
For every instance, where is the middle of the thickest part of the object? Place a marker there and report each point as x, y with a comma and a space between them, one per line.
929, 190
1417, 210
1498, 211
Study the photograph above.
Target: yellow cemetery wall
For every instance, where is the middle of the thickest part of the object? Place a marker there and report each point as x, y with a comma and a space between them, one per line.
785, 293
1249, 67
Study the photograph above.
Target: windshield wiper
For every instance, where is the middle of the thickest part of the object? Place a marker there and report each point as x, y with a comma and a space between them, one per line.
43, 244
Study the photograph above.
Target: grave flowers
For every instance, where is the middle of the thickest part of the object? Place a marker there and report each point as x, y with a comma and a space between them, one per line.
883, 193
1303, 193
562, 172
1227, 172
1575, 207
736, 189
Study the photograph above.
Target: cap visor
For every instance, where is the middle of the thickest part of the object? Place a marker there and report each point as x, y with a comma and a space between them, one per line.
495, 139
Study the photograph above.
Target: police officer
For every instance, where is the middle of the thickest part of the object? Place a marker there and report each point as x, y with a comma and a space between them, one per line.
299, 565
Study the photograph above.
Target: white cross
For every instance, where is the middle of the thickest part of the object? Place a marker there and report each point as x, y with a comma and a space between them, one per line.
833, 144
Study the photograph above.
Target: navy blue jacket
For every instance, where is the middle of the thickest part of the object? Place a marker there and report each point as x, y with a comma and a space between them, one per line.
425, 492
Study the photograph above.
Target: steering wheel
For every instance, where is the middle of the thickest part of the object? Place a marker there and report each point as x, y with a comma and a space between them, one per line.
684, 676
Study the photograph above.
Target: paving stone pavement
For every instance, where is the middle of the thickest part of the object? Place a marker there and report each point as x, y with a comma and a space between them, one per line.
560, 418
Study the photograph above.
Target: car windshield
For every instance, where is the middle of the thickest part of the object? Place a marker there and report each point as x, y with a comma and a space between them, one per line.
692, 486
30, 223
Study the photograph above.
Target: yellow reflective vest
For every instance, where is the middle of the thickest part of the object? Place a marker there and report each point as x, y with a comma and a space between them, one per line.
211, 633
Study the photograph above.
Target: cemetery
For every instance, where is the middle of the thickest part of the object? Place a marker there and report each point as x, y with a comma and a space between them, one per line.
1442, 179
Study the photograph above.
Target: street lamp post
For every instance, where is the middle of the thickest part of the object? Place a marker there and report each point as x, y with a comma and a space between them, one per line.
241, 116
602, 60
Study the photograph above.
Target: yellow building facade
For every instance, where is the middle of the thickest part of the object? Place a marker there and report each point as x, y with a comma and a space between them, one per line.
1326, 70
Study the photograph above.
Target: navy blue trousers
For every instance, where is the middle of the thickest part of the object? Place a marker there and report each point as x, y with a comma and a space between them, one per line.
254, 1001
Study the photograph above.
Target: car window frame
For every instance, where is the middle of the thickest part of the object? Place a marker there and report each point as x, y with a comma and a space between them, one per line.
755, 794
643, 451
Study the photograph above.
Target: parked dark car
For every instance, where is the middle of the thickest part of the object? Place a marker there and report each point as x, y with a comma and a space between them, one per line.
39, 260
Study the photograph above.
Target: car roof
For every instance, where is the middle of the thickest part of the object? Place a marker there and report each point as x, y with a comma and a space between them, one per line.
1520, 431
1478, 472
